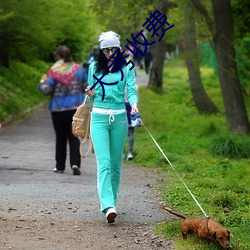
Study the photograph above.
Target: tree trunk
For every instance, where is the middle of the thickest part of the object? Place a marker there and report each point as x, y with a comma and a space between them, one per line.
235, 109
201, 99
156, 71
159, 51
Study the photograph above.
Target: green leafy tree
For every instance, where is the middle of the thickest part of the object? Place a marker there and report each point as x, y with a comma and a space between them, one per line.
24, 32
221, 26
28, 33
123, 17
201, 99
127, 17
242, 33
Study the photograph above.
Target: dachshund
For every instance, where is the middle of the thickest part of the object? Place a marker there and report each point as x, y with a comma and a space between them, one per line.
204, 229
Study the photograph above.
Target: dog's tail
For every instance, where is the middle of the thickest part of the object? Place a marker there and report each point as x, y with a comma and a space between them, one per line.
175, 213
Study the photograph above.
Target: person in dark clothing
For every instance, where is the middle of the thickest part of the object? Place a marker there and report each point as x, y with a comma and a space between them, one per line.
147, 60
139, 57
130, 133
65, 83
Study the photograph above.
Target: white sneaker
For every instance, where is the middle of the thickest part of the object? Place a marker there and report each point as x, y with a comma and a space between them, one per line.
111, 214
58, 171
130, 156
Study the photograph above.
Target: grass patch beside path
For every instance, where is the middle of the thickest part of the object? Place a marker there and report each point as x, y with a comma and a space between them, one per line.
193, 143
19, 89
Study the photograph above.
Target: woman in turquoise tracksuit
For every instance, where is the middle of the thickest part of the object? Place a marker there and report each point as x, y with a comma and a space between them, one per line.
109, 123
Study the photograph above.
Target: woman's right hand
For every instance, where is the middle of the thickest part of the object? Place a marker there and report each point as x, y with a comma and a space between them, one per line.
90, 92
134, 109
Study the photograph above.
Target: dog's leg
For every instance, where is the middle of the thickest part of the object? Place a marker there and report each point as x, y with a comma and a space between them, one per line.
184, 235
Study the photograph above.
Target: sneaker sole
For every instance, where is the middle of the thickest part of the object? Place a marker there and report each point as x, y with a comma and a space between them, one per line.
58, 171
76, 171
111, 217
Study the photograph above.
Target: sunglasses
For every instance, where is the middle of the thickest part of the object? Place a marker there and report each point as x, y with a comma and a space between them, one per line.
107, 51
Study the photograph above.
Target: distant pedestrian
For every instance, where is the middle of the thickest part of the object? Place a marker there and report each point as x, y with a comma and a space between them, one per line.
139, 57
130, 56
131, 130
148, 57
93, 55
65, 84
130, 133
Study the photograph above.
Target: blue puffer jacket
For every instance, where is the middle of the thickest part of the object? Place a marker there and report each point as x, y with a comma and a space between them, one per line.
65, 97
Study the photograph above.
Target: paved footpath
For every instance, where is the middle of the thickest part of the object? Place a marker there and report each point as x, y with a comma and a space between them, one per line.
30, 193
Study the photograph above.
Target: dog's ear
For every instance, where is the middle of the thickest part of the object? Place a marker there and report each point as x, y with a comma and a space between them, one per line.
214, 235
228, 237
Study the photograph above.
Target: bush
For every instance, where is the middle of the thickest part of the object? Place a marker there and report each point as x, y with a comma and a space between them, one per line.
231, 146
224, 200
19, 88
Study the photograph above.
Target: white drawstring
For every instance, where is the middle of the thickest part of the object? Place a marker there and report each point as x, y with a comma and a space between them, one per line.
109, 112
111, 117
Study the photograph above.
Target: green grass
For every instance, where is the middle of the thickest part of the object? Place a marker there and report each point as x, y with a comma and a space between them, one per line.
214, 164
19, 88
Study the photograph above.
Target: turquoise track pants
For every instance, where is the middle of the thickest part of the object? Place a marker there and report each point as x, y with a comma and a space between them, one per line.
108, 136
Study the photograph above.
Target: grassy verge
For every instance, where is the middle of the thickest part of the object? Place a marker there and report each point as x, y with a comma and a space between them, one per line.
19, 88
212, 163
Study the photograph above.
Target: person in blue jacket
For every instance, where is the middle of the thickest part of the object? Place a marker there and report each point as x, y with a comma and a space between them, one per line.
65, 83
109, 123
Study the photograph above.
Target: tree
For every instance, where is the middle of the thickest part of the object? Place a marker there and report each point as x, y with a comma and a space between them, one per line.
112, 16
28, 33
131, 21
24, 32
159, 50
223, 37
241, 17
242, 32
201, 99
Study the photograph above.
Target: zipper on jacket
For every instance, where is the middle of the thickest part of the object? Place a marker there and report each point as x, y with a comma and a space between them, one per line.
109, 89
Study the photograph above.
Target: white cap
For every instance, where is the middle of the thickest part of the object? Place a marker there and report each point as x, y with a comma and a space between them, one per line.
109, 39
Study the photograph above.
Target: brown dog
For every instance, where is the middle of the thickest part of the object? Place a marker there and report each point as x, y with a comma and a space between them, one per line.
204, 229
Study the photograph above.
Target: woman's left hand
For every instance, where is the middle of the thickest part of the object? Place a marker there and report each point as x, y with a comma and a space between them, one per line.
134, 109
43, 79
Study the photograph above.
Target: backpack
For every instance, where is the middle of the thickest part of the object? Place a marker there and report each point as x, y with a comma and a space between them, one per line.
81, 126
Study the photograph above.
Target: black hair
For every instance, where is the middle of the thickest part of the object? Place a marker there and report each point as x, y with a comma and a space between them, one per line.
63, 52
102, 67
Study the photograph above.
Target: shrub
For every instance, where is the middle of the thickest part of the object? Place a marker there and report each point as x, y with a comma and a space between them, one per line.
224, 200
231, 146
